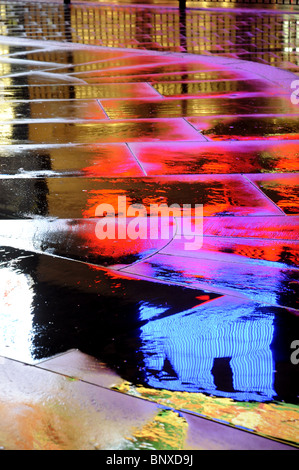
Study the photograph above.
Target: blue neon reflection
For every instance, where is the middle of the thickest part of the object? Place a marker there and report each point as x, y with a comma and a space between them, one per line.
180, 350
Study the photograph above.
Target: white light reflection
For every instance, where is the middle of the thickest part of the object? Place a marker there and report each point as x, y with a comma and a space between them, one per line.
16, 297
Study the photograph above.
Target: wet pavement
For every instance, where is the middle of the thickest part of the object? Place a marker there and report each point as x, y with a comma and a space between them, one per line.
176, 335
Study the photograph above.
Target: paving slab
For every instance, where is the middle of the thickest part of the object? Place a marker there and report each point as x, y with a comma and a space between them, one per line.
86, 239
80, 91
247, 127
37, 110
75, 197
213, 87
105, 131
217, 157
94, 160
188, 107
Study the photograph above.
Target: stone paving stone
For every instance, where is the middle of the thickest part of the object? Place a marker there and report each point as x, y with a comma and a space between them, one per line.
247, 127
82, 240
80, 197
116, 131
79, 91
126, 109
70, 110
216, 157
94, 160
282, 189
210, 439
160, 77
213, 87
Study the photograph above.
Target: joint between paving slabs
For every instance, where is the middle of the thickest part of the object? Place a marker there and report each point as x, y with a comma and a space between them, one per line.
263, 194
194, 128
103, 109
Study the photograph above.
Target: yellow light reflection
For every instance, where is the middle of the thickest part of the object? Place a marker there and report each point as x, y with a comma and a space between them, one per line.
6, 114
3, 27
4, 49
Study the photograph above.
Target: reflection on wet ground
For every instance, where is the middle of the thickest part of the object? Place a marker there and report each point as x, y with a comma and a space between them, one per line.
78, 197
168, 337
55, 110
102, 132
76, 239
283, 190
83, 126
247, 127
249, 34
82, 160
195, 107
224, 157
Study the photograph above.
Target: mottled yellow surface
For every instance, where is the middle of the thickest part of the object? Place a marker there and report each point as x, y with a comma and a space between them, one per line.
167, 431
276, 420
